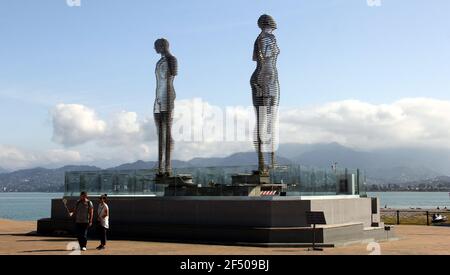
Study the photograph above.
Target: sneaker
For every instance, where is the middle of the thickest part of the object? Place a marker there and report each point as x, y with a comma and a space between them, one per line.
100, 247
83, 249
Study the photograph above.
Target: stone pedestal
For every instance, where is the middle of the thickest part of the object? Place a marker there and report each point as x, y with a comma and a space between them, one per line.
231, 220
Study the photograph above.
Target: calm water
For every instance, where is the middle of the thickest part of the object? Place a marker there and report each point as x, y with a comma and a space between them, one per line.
413, 199
26, 206
34, 206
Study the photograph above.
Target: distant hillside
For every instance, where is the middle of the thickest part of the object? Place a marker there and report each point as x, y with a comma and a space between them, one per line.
294, 150
238, 159
325, 155
138, 165
437, 184
2, 171
52, 180
39, 179
71, 168
382, 167
442, 181
142, 165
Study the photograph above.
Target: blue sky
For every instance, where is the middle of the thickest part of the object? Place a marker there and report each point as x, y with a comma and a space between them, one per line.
101, 55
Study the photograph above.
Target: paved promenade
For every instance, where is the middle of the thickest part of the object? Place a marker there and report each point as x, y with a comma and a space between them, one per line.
412, 240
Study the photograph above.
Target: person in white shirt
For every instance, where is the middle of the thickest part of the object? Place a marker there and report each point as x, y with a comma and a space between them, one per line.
103, 219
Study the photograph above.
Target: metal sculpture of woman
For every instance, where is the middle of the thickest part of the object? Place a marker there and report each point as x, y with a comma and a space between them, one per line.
166, 70
266, 91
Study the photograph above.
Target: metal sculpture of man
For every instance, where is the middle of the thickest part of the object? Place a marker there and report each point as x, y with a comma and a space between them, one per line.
166, 70
266, 92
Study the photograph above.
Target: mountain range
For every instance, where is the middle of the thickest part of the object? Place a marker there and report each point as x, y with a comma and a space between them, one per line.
397, 165
238, 159
387, 166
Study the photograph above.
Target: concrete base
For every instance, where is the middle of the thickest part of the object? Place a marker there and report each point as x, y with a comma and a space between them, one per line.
335, 235
258, 220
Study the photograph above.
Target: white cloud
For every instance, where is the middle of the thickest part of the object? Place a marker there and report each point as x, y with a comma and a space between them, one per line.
12, 157
75, 124
411, 122
407, 122
56, 156
123, 129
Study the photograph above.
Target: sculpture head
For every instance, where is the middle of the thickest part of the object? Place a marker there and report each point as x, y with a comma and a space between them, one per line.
267, 22
162, 46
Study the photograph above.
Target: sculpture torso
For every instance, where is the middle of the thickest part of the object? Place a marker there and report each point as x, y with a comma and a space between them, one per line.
164, 87
265, 77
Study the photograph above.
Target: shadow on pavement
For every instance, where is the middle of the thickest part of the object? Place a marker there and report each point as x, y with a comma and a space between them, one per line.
48, 240
45, 250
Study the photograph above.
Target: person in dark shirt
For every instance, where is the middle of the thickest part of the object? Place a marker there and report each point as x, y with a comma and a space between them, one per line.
83, 215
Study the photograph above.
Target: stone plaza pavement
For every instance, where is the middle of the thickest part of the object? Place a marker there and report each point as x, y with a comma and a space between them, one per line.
412, 240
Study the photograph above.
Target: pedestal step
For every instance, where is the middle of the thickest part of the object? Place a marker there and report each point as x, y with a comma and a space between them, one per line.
329, 235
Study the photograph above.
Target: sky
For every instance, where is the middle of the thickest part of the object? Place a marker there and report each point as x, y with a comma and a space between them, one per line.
77, 83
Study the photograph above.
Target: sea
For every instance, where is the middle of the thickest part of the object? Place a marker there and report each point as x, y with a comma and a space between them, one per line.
26, 206
407, 200
34, 206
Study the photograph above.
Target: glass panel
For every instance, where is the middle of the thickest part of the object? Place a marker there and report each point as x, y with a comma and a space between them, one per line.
300, 180
73, 183
145, 183
90, 183
124, 182
107, 182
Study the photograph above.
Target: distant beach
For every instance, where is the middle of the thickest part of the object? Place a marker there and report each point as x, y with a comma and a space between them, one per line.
408, 200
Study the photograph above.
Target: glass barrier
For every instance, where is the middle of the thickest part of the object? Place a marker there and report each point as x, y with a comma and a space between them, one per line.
298, 181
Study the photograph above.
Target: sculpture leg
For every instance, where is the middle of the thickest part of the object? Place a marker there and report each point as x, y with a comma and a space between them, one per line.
261, 127
169, 143
258, 103
273, 129
159, 128
266, 125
